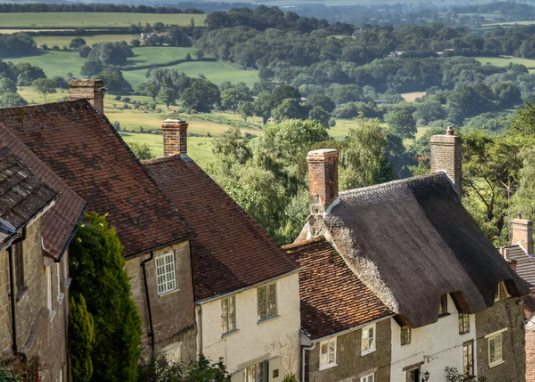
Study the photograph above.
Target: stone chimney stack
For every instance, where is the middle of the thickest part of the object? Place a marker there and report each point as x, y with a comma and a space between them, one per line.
91, 90
175, 137
447, 156
322, 178
521, 232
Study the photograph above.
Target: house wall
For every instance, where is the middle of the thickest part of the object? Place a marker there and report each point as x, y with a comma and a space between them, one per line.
173, 314
275, 337
507, 313
40, 334
351, 365
438, 346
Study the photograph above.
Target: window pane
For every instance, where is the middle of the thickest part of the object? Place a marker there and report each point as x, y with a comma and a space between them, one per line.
498, 347
324, 358
371, 338
232, 313
272, 300
224, 314
260, 372
262, 313
364, 340
332, 351
492, 351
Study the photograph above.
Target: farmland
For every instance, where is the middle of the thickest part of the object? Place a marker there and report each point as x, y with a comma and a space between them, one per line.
65, 40
68, 20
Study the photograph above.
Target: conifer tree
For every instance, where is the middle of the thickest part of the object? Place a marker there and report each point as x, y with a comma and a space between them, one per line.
98, 274
81, 339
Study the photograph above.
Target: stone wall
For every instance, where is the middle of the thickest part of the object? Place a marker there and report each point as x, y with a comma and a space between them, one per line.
173, 314
507, 313
351, 365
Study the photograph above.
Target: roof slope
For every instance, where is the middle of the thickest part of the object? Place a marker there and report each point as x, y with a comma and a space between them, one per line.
333, 299
85, 151
22, 195
230, 251
60, 221
411, 241
525, 264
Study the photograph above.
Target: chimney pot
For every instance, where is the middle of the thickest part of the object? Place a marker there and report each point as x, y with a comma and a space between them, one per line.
447, 156
175, 137
521, 232
91, 90
449, 131
322, 178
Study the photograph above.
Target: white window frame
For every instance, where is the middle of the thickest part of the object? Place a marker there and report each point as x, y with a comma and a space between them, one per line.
330, 343
494, 337
228, 319
165, 276
365, 339
368, 378
274, 311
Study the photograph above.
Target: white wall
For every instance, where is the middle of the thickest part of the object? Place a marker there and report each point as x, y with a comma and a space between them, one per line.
438, 345
276, 337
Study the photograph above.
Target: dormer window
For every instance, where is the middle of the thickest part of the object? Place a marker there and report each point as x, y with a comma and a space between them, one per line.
443, 308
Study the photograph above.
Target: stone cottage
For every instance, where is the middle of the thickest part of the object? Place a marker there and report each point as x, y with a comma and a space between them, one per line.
415, 247
246, 287
38, 218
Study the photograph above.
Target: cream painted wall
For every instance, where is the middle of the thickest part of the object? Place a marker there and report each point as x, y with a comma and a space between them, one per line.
438, 345
274, 337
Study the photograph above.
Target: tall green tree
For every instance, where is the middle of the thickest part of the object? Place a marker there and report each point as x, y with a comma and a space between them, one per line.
81, 339
98, 274
44, 86
402, 124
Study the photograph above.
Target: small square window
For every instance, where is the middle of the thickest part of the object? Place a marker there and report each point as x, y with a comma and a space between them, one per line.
443, 309
228, 314
267, 301
328, 353
495, 350
368, 339
368, 378
165, 273
405, 335
464, 323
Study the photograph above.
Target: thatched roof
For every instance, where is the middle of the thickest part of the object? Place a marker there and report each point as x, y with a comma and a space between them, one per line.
411, 241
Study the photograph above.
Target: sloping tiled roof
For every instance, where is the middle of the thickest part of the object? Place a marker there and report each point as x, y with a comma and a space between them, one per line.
22, 195
85, 151
525, 264
230, 251
333, 299
412, 241
59, 222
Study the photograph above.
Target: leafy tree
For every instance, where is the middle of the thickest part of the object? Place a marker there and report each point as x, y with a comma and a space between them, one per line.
114, 80
142, 151
135, 43
507, 93
288, 109
262, 105
401, 123
7, 86
524, 121
98, 274
199, 54
230, 98
90, 68
44, 86
245, 109
320, 115
322, 101
524, 199
81, 339
283, 92
230, 143
167, 96
188, 57
202, 95
111, 53
12, 99
77, 43
27, 73
84, 51
158, 26
149, 89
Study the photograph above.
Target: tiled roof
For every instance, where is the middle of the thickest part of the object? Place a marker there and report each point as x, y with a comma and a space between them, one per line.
85, 151
333, 299
60, 221
22, 195
230, 251
525, 264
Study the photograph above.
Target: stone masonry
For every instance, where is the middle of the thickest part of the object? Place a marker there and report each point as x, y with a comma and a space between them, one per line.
91, 90
323, 178
175, 137
506, 313
351, 365
446, 155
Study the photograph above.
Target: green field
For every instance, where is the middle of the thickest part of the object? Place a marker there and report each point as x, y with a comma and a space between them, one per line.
65, 40
216, 72
68, 20
504, 61
528, 22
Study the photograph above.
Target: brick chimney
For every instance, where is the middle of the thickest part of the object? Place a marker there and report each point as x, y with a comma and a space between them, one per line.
447, 156
521, 232
322, 178
91, 90
175, 137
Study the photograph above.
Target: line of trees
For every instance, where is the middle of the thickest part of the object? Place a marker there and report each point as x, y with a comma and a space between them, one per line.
116, 8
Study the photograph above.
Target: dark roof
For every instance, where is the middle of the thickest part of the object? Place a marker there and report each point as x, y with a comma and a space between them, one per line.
85, 151
333, 299
412, 241
525, 264
230, 251
60, 221
23, 195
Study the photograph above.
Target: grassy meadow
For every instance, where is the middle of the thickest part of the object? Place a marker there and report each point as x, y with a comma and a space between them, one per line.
504, 61
66, 20
411, 97
62, 41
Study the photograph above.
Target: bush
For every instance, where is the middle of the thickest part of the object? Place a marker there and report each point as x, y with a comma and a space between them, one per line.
55, 47
81, 339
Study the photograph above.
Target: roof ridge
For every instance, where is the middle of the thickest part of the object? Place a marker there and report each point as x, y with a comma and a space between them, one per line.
51, 105
315, 239
392, 184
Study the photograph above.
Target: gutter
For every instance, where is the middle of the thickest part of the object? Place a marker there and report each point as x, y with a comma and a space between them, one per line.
12, 296
303, 359
157, 248
151, 333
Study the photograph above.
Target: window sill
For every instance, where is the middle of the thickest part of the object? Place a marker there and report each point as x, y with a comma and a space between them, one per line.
168, 292
405, 344
51, 315
462, 334
330, 366
261, 321
61, 296
68, 282
444, 315
22, 292
224, 335
497, 363
367, 352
